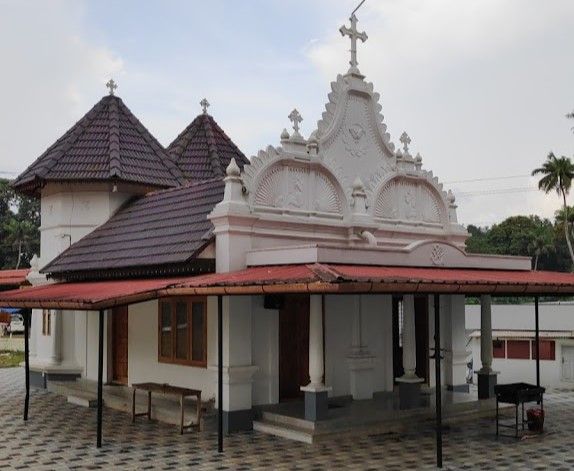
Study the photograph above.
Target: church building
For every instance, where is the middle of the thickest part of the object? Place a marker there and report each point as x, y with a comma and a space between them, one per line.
341, 204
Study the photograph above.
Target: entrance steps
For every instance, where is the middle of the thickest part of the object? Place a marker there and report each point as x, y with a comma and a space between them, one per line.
363, 420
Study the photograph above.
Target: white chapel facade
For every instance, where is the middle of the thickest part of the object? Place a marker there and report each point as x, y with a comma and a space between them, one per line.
343, 195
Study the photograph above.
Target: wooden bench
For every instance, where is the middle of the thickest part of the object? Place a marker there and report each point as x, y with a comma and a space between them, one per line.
182, 393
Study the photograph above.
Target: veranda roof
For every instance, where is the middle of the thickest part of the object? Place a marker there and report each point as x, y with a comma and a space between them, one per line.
313, 279
13, 278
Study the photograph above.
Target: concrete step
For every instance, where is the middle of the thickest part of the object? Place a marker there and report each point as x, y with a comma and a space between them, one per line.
283, 431
83, 400
279, 419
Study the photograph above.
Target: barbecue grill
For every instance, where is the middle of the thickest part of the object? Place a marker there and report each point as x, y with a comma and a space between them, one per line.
517, 394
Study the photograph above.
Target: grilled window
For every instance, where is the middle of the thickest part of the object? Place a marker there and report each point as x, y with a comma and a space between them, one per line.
182, 330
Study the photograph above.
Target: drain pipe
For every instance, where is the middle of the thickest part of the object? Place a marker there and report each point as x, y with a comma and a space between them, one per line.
368, 237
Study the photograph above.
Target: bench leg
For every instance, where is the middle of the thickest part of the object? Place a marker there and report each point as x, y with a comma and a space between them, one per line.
149, 405
199, 413
181, 415
133, 406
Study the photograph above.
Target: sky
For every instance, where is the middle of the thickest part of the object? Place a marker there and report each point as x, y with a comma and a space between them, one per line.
481, 86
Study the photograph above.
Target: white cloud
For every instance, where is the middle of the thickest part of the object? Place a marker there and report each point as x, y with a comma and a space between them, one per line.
49, 76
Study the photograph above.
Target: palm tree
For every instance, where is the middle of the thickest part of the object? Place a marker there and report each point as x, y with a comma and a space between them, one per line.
19, 234
539, 246
557, 176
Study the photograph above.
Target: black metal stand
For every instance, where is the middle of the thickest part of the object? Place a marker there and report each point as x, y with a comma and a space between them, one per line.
100, 375
438, 389
220, 374
517, 394
537, 340
27, 318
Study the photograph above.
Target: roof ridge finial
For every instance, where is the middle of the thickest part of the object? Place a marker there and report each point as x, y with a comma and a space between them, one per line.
354, 34
204, 105
112, 85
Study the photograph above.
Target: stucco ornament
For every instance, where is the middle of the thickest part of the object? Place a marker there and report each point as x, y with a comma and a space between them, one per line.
437, 255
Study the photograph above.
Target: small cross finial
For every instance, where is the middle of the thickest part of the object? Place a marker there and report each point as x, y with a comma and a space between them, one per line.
406, 140
354, 35
111, 86
295, 118
204, 105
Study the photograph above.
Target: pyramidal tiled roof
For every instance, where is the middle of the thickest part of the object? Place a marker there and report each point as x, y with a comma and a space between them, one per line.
108, 144
203, 150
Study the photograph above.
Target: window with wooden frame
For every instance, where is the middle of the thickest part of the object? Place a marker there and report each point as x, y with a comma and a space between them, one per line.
518, 349
46, 322
547, 350
498, 349
182, 331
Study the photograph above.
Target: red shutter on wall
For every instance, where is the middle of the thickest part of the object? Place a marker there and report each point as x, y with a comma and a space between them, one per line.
547, 350
518, 349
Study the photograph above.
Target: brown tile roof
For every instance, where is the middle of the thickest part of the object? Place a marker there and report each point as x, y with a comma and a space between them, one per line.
163, 228
13, 278
108, 143
203, 150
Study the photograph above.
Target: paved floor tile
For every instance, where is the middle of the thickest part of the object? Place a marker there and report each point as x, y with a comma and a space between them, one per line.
62, 436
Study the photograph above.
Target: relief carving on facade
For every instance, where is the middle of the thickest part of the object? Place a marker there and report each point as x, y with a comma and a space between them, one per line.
437, 255
409, 200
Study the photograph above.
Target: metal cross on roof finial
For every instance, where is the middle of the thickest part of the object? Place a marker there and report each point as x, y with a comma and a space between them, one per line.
406, 140
204, 104
354, 35
295, 118
111, 86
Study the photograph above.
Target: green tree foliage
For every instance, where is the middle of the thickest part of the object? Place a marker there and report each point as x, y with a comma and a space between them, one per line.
527, 236
557, 174
19, 228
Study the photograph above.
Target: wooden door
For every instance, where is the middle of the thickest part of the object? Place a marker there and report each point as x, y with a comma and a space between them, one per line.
422, 337
120, 345
293, 346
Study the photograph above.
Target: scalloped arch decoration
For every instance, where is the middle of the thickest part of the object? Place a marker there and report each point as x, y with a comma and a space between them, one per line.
409, 200
302, 189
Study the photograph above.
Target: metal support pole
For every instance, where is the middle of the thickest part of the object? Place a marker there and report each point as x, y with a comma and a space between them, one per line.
27, 318
537, 340
220, 374
438, 389
100, 375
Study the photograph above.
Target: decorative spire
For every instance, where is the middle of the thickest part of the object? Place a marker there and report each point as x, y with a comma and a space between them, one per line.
354, 35
405, 140
204, 105
295, 118
111, 86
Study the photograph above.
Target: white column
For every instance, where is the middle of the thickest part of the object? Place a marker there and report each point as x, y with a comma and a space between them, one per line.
316, 360
486, 334
55, 356
35, 314
409, 338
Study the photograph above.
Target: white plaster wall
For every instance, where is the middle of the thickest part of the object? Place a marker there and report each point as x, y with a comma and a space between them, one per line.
377, 335
69, 212
511, 371
143, 364
265, 352
92, 346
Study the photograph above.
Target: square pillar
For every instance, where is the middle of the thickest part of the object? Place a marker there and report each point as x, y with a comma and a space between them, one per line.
238, 369
454, 334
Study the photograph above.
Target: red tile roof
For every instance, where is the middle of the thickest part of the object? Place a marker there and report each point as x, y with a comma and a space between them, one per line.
203, 150
11, 278
107, 144
316, 278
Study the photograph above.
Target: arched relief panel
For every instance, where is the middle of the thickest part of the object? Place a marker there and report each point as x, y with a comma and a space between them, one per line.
410, 199
298, 187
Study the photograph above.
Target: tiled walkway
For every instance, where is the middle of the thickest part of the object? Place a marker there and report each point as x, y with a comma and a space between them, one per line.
62, 436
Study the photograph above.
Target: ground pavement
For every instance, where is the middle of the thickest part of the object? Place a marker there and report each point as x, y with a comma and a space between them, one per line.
62, 436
